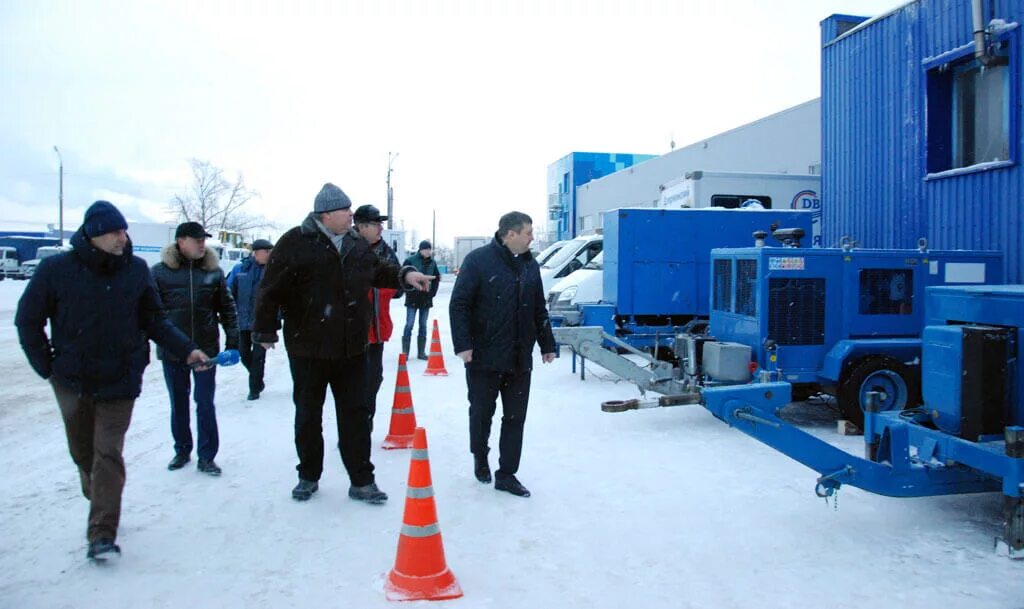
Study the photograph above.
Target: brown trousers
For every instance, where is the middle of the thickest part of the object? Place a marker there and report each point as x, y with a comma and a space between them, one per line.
96, 430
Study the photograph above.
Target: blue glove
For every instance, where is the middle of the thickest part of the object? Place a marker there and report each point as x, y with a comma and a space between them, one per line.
228, 358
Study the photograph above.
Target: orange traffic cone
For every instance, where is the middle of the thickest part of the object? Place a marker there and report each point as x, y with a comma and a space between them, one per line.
403, 417
435, 363
420, 572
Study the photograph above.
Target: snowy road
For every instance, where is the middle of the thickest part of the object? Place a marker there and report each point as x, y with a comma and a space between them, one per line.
666, 508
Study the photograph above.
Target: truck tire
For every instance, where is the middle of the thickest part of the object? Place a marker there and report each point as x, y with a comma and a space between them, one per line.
899, 384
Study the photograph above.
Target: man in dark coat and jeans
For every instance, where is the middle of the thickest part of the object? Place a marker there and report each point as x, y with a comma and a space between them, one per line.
319, 275
243, 282
101, 305
418, 304
196, 297
497, 315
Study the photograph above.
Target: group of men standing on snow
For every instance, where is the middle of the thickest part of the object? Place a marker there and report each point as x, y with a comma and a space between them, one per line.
326, 286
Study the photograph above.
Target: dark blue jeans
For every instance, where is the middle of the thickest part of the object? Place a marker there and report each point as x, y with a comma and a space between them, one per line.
179, 383
410, 319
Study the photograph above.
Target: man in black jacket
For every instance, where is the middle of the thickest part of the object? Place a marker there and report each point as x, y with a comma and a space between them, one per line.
101, 306
418, 304
196, 296
497, 315
318, 276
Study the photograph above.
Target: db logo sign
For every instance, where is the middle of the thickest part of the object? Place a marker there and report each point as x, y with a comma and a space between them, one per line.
806, 200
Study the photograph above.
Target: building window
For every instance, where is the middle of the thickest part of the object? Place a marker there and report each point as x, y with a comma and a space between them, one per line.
969, 118
980, 114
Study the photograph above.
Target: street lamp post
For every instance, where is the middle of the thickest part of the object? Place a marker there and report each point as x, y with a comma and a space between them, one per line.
61, 196
391, 198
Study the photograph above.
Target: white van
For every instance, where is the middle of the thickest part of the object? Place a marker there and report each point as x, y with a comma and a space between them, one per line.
549, 251
585, 286
9, 266
28, 268
573, 256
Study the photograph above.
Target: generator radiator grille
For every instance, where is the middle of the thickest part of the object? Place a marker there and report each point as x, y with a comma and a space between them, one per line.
796, 311
746, 287
723, 285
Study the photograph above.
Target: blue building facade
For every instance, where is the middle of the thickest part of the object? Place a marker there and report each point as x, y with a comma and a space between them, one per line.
919, 137
576, 169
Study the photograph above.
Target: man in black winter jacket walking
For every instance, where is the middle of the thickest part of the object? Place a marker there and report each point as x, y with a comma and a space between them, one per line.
196, 296
497, 315
318, 276
101, 306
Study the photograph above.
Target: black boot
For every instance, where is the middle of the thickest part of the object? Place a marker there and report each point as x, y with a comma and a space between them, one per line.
178, 461
103, 550
510, 484
304, 489
481, 469
421, 345
368, 493
405, 344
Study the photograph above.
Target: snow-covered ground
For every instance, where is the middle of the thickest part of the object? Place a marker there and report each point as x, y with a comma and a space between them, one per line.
658, 508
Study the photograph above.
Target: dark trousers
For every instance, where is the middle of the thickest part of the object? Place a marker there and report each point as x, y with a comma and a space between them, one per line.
410, 319
347, 379
178, 377
95, 431
484, 387
254, 358
374, 377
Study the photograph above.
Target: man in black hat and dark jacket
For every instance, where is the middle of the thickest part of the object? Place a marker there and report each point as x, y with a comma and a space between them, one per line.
418, 305
318, 276
497, 315
101, 305
369, 225
196, 297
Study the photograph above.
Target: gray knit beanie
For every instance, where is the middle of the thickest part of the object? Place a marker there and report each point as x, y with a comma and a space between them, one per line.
331, 198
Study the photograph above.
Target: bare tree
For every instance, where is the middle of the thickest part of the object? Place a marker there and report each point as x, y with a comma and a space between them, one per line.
216, 203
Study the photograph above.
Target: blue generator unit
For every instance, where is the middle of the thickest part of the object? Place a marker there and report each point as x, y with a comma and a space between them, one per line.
657, 266
844, 321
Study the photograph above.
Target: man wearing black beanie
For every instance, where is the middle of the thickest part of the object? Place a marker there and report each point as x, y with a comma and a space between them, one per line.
101, 305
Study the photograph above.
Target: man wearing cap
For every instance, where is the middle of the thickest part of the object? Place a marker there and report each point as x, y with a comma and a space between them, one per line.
318, 276
243, 282
101, 306
419, 303
368, 222
196, 297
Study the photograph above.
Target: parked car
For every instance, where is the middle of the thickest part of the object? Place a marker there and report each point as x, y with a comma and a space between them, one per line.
573, 256
585, 286
28, 268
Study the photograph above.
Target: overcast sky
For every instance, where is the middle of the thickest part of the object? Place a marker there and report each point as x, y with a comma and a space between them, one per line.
477, 97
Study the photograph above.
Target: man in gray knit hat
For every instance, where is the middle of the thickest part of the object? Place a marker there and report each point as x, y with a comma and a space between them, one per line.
319, 274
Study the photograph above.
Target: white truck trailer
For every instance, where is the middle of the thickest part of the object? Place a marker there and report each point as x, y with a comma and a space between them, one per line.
734, 189
465, 245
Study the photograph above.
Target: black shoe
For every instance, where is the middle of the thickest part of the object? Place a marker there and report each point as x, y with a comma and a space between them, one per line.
207, 466
509, 484
481, 469
253, 395
102, 550
178, 462
421, 348
304, 490
369, 493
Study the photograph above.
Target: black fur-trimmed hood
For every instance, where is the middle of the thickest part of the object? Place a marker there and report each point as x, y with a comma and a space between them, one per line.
171, 257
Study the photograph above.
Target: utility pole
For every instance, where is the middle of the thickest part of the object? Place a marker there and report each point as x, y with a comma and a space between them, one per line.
61, 196
391, 196
433, 231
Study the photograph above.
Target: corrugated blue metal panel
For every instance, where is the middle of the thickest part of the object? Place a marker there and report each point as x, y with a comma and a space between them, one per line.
874, 140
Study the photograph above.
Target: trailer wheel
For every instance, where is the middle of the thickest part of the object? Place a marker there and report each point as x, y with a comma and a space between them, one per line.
895, 381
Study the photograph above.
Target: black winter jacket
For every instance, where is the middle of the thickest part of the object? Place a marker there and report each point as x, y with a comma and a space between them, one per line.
321, 292
497, 310
101, 309
196, 298
418, 299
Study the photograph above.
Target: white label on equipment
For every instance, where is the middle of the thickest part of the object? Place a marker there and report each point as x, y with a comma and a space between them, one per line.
965, 272
933, 267
786, 264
